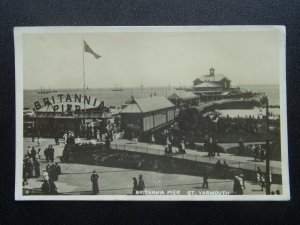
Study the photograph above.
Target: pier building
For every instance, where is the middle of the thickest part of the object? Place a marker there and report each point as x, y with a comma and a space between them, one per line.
184, 98
212, 77
145, 115
211, 86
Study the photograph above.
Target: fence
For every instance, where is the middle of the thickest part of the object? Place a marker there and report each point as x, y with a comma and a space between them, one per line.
196, 158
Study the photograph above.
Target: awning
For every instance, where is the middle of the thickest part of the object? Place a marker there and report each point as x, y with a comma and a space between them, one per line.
87, 115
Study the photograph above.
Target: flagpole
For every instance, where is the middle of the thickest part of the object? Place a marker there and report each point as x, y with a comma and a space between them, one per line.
83, 73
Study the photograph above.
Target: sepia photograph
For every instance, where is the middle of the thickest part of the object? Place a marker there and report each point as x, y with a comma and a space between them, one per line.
151, 113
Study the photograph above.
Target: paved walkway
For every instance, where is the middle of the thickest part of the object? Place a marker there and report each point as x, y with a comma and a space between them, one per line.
75, 178
242, 162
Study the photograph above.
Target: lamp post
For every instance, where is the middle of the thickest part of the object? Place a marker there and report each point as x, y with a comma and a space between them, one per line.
265, 102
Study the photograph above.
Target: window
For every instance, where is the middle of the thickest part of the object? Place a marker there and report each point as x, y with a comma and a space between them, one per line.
163, 117
170, 114
148, 123
157, 119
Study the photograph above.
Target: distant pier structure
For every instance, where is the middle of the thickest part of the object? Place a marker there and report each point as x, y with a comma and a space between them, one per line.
214, 87
211, 86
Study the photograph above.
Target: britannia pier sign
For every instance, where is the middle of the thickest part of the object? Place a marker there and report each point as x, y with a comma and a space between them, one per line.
67, 102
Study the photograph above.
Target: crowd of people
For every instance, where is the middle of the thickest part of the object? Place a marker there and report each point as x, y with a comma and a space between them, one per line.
228, 125
50, 175
259, 153
196, 126
138, 186
222, 170
49, 153
31, 168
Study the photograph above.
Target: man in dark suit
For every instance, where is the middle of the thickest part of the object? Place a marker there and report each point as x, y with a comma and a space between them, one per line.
94, 180
205, 179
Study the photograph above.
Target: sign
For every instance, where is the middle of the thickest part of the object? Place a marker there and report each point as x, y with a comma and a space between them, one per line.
67, 103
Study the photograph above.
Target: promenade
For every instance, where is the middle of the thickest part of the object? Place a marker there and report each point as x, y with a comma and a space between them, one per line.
75, 178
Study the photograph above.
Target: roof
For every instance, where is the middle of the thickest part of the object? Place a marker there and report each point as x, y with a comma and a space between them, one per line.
143, 105
208, 85
215, 77
131, 108
183, 95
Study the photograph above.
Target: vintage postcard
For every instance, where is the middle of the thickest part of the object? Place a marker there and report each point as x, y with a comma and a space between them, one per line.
151, 113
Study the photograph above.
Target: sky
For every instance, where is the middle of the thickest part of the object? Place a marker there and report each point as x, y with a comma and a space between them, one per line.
129, 59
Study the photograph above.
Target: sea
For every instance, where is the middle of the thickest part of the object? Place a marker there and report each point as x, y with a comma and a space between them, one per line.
118, 98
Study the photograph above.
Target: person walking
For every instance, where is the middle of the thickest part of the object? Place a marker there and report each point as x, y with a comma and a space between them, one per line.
65, 136
182, 147
52, 188
51, 153
45, 175
45, 187
33, 153
135, 186
94, 180
57, 169
36, 165
30, 168
262, 154
216, 147
262, 182
210, 148
46, 153
225, 169
152, 139
52, 172
56, 138
260, 178
39, 153
141, 185
107, 142
28, 151
25, 172
237, 187
241, 146
205, 145
98, 135
258, 174
205, 180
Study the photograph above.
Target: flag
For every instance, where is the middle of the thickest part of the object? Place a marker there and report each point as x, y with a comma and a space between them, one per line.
88, 49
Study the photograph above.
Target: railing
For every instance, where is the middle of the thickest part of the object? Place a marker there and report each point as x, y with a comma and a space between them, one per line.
222, 101
196, 158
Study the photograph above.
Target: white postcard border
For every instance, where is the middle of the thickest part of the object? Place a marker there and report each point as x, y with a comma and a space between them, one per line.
18, 34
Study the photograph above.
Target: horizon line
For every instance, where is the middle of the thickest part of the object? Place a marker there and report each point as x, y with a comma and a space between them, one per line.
144, 87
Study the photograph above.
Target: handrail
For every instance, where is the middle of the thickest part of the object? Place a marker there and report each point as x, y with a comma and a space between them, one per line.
189, 156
